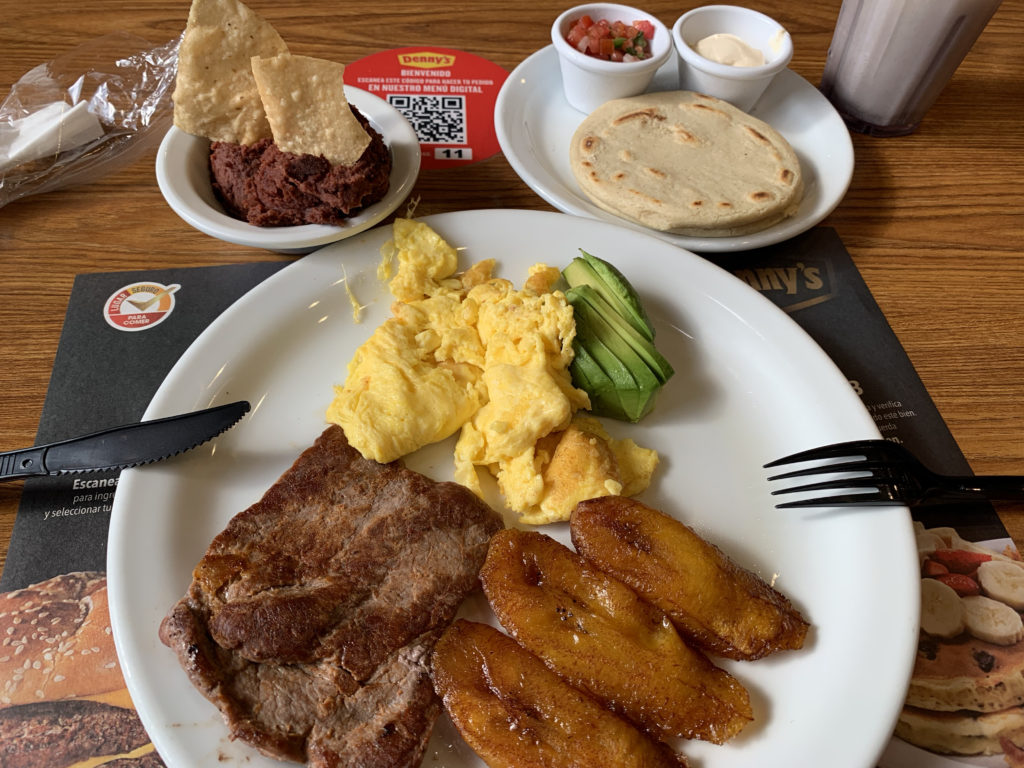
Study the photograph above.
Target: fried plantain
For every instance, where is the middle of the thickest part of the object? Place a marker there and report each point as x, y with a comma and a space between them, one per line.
714, 603
516, 713
600, 636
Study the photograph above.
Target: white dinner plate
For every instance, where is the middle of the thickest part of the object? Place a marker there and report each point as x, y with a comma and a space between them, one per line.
183, 175
750, 386
535, 124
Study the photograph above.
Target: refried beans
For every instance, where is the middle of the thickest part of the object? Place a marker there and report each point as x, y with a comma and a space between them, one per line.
262, 185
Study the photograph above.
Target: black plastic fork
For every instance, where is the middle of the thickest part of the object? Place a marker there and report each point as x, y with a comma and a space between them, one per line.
893, 476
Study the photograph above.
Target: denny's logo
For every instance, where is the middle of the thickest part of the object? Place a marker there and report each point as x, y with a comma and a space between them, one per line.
426, 59
793, 286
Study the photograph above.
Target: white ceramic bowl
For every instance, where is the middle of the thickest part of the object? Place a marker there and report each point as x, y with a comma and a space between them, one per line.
182, 172
590, 82
740, 86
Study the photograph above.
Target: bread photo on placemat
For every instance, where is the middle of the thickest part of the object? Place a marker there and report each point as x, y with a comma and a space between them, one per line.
64, 700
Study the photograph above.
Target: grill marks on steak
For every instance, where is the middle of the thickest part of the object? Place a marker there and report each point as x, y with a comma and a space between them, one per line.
314, 713
310, 618
343, 559
388, 718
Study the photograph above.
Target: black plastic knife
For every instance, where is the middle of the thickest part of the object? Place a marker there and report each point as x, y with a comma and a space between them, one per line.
123, 447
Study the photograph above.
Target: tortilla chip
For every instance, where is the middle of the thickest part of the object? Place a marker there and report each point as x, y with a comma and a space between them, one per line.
305, 102
215, 94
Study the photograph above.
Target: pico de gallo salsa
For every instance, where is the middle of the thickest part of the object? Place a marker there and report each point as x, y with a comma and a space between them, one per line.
612, 40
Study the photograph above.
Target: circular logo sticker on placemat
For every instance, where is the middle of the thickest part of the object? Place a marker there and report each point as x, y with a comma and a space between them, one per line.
139, 306
447, 96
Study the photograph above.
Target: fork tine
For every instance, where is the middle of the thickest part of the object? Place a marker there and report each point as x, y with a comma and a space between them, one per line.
867, 481
862, 465
846, 499
852, 447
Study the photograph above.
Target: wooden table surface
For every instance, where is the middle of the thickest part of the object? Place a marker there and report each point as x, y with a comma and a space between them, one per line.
932, 220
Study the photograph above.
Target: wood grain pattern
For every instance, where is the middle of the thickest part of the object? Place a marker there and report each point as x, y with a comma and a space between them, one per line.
933, 220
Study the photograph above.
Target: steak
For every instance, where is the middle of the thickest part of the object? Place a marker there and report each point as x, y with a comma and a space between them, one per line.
311, 618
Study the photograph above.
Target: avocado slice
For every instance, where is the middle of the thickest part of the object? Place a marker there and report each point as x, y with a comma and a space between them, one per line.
579, 273
641, 345
624, 290
600, 329
616, 392
634, 380
620, 401
588, 376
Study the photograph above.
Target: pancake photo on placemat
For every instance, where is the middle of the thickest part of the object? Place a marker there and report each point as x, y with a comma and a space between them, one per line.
966, 693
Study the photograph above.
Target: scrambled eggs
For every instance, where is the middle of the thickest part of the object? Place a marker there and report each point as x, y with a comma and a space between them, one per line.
471, 352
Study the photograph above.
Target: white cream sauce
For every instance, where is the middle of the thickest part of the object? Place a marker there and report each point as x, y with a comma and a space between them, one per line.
726, 48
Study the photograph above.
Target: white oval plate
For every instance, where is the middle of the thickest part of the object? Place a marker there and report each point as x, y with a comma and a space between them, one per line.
750, 386
535, 124
183, 175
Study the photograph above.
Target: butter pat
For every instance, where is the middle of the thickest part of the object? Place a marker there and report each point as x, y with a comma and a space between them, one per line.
57, 127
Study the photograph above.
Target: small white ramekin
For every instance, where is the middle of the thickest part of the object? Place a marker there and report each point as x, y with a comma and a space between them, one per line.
740, 86
590, 82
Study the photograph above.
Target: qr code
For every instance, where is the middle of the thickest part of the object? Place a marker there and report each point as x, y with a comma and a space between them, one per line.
436, 119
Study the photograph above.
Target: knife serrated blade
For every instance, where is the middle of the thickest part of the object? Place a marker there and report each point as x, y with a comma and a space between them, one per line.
122, 447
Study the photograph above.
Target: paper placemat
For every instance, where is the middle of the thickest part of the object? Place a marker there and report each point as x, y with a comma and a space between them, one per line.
109, 365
